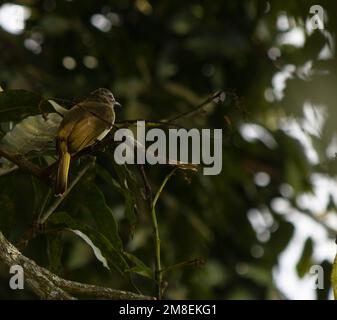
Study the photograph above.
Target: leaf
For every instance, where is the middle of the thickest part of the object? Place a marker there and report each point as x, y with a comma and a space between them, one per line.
17, 104
54, 251
34, 133
129, 185
112, 254
140, 267
103, 216
97, 252
305, 263
125, 183
145, 272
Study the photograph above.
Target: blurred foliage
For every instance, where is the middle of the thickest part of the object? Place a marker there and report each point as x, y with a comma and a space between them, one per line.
161, 58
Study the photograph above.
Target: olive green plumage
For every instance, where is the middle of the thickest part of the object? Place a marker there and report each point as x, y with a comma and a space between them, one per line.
84, 124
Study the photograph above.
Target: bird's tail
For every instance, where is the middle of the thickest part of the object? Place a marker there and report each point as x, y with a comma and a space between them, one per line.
63, 169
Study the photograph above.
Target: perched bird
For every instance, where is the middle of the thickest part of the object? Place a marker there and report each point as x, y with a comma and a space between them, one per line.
84, 124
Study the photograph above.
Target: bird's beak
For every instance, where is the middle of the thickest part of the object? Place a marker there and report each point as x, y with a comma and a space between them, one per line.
117, 104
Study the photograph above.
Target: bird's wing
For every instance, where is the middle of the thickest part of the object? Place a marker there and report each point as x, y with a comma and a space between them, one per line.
70, 119
85, 132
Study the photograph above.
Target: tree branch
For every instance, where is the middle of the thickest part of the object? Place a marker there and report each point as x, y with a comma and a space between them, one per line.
47, 285
24, 164
34, 274
199, 108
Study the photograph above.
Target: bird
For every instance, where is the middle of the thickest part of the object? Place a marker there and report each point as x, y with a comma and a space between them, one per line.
85, 123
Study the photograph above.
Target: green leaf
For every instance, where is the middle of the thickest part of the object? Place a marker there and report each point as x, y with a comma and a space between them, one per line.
140, 267
33, 134
129, 187
103, 216
305, 262
126, 184
145, 272
89, 200
17, 104
113, 256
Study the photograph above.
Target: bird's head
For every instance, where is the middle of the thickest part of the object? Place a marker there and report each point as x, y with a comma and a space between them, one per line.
104, 95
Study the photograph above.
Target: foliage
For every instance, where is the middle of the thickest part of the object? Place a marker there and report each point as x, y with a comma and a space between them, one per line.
161, 59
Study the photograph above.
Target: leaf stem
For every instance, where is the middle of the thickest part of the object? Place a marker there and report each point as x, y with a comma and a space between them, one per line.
58, 201
194, 262
158, 268
44, 203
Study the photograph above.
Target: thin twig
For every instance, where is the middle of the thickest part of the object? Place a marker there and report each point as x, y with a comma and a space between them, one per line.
24, 164
35, 228
197, 109
149, 123
158, 268
147, 186
195, 262
58, 201
44, 203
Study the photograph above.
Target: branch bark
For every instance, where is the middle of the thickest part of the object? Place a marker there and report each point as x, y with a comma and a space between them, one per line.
48, 285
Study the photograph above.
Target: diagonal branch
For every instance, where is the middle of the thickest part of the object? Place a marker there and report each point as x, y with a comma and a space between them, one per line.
47, 285
199, 108
24, 164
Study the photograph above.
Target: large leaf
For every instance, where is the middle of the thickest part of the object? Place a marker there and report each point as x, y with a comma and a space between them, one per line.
34, 133
140, 267
129, 185
121, 179
103, 216
113, 256
17, 104
89, 200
